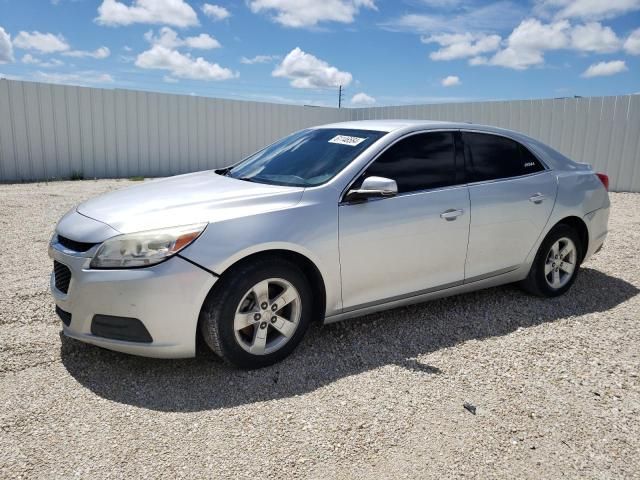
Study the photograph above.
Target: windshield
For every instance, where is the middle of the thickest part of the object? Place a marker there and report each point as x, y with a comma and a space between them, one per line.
306, 158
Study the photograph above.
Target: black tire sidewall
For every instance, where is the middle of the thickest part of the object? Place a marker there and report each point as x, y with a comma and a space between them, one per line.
234, 293
558, 232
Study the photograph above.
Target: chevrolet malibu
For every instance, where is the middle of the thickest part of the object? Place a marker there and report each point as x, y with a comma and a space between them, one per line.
329, 223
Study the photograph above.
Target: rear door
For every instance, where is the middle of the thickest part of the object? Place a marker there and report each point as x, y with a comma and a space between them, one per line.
397, 247
512, 195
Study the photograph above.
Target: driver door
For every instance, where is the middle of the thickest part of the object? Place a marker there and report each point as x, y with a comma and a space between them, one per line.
416, 241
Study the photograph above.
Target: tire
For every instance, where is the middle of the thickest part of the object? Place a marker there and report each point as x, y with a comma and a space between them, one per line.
234, 302
542, 284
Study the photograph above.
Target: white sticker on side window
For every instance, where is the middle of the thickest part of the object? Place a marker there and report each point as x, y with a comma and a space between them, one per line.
346, 140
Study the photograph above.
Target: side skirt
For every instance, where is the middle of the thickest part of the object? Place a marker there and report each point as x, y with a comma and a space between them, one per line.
513, 275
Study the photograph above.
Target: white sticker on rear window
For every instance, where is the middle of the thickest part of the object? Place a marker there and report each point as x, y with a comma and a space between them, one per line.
346, 140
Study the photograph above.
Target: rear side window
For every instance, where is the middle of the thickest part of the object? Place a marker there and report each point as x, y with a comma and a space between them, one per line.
491, 157
420, 162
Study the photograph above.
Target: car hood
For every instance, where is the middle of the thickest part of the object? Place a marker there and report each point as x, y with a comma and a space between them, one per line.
186, 199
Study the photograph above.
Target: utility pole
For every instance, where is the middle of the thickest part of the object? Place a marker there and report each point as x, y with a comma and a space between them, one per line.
340, 97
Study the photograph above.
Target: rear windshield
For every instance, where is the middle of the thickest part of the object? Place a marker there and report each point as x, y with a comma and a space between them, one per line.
305, 158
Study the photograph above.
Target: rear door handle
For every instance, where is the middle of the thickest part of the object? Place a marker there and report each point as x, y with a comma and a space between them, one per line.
451, 214
536, 198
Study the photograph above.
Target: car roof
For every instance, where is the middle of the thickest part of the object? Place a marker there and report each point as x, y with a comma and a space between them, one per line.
389, 125
551, 156
412, 125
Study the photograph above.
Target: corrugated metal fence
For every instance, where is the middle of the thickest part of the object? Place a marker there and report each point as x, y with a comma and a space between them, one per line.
55, 131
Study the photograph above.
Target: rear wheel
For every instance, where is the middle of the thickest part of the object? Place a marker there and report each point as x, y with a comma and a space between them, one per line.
258, 313
556, 264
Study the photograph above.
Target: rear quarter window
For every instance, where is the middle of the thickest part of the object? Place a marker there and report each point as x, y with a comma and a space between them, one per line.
491, 157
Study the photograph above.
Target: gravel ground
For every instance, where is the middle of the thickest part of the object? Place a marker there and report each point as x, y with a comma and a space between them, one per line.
555, 382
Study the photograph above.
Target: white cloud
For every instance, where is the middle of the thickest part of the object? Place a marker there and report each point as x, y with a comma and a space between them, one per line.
306, 71
513, 58
362, 99
534, 35
181, 65
502, 14
50, 43
604, 69
31, 60
259, 59
169, 38
632, 43
42, 42
54, 62
98, 53
308, 13
451, 81
462, 45
215, 12
586, 9
527, 43
169, 12
6, 47
204, 41
593, 37
79, 78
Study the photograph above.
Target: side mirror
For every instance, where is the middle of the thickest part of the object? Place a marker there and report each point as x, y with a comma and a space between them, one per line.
373, 187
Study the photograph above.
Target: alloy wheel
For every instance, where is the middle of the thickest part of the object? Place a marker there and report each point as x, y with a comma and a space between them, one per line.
267, 317
560, 264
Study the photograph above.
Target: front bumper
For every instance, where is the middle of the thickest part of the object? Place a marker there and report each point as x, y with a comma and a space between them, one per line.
166, 298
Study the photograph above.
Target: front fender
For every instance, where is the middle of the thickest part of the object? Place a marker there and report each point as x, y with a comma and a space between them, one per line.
309, 229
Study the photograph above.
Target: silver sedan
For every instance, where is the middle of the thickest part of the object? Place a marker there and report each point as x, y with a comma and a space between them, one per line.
329, 223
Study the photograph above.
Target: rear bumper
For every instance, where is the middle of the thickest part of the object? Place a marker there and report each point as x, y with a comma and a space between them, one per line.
598, 225
165, 298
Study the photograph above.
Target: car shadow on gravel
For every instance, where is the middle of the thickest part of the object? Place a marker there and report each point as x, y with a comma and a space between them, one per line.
332, 352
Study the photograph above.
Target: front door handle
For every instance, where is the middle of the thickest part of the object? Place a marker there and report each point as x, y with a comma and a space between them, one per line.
451, 214
536, 198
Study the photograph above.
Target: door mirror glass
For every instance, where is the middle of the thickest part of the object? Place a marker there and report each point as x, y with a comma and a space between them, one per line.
373, 187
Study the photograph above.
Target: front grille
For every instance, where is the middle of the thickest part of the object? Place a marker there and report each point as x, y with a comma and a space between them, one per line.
75, 246
62, 276
64, 316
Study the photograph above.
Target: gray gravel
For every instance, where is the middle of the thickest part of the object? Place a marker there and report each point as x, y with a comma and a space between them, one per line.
555, 382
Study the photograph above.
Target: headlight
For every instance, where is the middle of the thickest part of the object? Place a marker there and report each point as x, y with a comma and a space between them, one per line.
145, 248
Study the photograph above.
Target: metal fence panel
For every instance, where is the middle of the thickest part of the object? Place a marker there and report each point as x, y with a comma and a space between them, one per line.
54, 131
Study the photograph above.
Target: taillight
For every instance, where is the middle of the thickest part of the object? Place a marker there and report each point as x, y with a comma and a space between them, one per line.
604, 179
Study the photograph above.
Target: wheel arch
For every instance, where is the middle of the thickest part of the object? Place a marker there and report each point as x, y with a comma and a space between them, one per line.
308, 267
580, 227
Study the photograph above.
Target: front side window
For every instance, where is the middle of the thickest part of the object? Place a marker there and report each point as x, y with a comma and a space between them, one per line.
419, 162
305, 158
491, 157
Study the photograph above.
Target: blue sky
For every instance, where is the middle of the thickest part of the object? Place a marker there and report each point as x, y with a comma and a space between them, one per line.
384, 52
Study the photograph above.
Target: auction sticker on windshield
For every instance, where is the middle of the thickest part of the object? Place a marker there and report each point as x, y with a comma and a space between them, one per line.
346, 140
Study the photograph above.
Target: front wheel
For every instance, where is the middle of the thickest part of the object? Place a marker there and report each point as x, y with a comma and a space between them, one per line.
258, 313
556, 265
